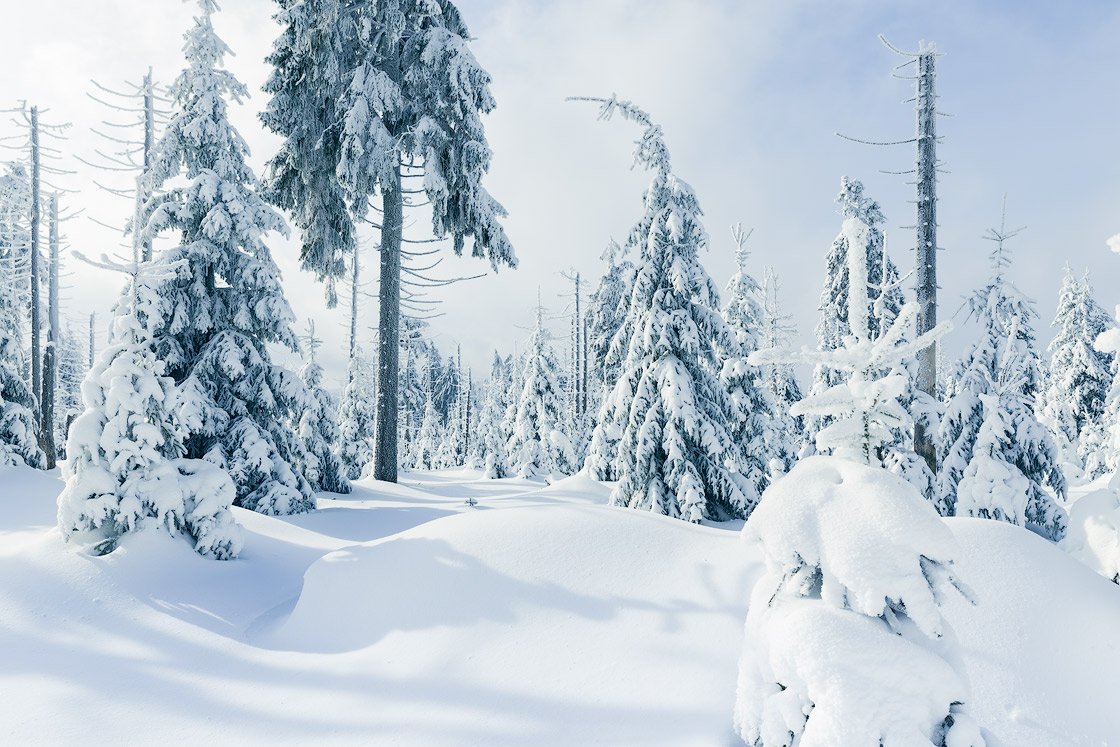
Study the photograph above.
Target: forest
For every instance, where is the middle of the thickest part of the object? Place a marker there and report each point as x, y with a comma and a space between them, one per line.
648, 510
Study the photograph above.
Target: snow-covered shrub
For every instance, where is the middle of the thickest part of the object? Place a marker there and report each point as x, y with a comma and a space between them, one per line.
1094, 531
845, 643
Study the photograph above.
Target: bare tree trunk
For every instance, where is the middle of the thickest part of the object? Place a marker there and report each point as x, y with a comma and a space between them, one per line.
389, 329
36, 353
92, 341
355, 269
149, 143
50, 355
926, 243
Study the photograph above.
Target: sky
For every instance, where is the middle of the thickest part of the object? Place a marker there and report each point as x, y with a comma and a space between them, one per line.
750, 96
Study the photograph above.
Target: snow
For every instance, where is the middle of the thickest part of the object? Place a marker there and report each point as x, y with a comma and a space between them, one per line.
399, 615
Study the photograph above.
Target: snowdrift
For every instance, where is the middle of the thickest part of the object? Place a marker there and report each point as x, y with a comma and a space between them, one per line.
533, 622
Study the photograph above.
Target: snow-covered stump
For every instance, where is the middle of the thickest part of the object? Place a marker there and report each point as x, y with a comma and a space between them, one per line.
845, 643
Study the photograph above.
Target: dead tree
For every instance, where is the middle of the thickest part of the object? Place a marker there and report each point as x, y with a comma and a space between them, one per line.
925, 227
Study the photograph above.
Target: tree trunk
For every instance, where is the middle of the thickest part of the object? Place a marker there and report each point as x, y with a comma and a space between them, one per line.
50, 355
389, 330
92, 341
927, 244
36, 353
149, 143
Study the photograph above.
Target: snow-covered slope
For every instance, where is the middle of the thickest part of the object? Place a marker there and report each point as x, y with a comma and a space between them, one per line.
399, 616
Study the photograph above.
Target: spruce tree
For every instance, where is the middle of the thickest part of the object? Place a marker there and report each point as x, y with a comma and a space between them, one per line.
19, 443
753, 429
71, 372
1005, 354
318, 426
225, 306
355, 419
787, 430
676, 454
492, 434
425, 449
884, 301
1072, 399
124, 470
367, 95
539, 446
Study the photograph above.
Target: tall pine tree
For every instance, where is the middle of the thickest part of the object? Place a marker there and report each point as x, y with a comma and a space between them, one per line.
225, 306
367, 95
676, 453
318, 425
355, 419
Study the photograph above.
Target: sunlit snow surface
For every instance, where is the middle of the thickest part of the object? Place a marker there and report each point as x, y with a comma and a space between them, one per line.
398, 615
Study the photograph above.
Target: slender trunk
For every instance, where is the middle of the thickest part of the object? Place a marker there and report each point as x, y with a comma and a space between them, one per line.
355, 268
92, 341
389, 327
50, 356
36, 354
149, 143
926, 244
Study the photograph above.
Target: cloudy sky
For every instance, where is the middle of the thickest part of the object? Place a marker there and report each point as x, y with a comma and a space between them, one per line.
750, 95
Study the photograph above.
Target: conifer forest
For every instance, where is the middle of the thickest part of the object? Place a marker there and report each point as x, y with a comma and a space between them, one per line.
499, 373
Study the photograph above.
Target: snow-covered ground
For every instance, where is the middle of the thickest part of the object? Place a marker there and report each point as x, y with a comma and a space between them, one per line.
398, 615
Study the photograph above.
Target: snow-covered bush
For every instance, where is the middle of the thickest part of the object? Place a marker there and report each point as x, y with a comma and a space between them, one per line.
845, 642
1094, 531
123, 469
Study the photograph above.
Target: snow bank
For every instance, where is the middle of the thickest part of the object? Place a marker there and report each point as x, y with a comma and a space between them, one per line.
845, 642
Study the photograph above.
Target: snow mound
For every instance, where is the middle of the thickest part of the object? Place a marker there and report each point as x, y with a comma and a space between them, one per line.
608, 626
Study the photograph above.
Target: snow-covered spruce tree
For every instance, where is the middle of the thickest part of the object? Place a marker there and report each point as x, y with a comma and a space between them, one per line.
884, 301
452, 448
606, 311
225, 305
71, 373
355, 419
752, 429
19, 442
845, 641
1071, 400
318, 425
425, 448
492, 435
538, 445
676, 455
787, 431
1005, 352
362, 92
124, 470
